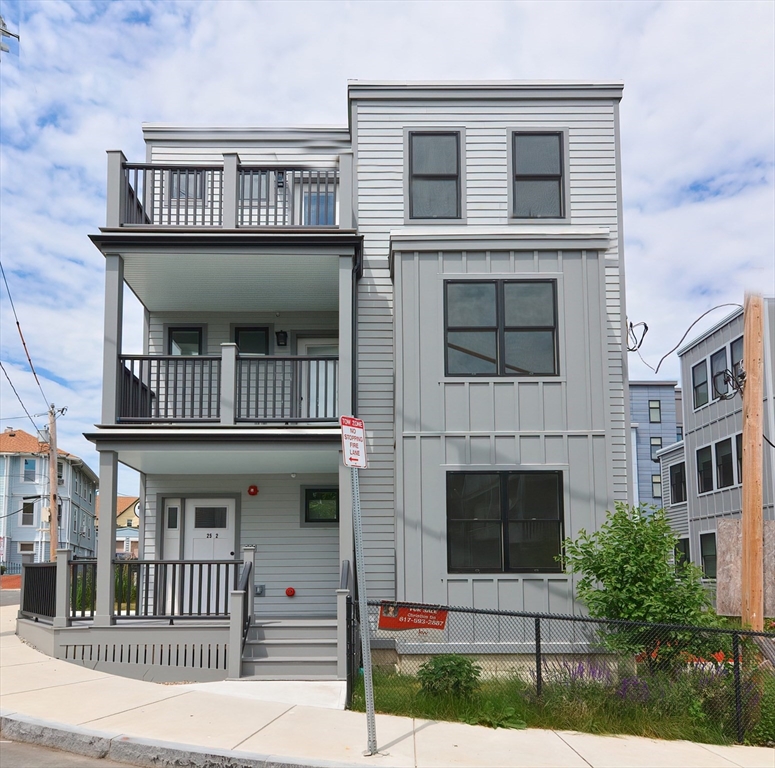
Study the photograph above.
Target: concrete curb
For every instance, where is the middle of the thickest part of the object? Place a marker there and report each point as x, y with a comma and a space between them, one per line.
142, 752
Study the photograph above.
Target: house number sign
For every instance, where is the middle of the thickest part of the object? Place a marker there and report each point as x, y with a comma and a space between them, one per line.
353, 442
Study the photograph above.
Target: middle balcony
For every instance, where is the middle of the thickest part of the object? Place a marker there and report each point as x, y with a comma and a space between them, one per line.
228, 389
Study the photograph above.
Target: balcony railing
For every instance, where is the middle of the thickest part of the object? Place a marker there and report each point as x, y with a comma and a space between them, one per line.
227, 196
167, 388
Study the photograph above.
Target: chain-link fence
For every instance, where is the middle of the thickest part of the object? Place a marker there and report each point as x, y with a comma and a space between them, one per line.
516, 668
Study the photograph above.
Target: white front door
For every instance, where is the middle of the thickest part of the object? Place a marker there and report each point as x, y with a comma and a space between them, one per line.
319, 391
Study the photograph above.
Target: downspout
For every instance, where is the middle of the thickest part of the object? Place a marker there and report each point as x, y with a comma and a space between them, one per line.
357, 273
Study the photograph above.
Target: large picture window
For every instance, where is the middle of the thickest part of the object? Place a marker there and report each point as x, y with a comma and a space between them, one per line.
501, 328
504, 522
537, 175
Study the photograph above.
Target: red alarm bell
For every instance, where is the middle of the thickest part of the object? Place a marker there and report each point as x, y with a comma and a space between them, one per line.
253, 490
290, 591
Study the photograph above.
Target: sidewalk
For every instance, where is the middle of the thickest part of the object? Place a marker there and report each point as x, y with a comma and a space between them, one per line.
238, 724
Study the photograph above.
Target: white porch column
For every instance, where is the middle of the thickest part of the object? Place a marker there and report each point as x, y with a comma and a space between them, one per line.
62, 617
116, 191
346, 207
236, 619
228, 382
231, 161
106, 540
111, 349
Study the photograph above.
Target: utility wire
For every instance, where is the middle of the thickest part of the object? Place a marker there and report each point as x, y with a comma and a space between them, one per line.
21, 402
21, 335
664, 357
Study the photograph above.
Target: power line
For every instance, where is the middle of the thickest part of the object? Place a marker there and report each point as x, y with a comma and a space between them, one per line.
24, 407
21, 335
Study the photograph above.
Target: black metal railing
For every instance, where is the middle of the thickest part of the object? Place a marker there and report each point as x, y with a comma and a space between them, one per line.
244, 585
169, 388
83, 589
182, 589
287, 389
39, 585
287, 197
172, 195
703, 683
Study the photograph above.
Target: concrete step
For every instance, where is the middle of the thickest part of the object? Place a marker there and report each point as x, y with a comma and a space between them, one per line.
290, 668
289, 647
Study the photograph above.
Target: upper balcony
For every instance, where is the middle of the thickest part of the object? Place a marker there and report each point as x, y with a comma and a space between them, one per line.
229, 195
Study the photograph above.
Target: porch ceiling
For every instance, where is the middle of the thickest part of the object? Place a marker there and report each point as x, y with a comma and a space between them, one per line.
201, 452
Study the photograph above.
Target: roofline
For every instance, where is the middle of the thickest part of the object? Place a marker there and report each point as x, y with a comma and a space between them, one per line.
670, 448
168, 133
718, 326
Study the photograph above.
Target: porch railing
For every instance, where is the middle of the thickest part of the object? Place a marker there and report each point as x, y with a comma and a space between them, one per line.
83, 589
287, 389
39, 584
182, 589
169, 388
197, 195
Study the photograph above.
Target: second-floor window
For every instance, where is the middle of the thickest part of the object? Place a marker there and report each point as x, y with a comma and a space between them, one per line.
537, 175
29, 470
736, 353
678, 483
704, 470
718, 367
184, 341
501, 328
28, 513
434, 175
700, 384
724, 472
655, 412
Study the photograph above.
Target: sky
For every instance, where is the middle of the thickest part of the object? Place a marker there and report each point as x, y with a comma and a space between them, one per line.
697, 141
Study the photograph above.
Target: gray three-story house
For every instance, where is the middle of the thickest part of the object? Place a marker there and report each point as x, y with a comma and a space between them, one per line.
449, 268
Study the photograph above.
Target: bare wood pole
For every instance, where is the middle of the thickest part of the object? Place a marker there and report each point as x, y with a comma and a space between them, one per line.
52, 484
752, 611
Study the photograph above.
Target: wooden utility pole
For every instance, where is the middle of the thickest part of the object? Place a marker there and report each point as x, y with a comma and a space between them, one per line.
752, 611
52, 483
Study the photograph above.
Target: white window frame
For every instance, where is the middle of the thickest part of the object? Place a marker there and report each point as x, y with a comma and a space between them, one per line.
712, 396
25, 478
22, 524
30, 544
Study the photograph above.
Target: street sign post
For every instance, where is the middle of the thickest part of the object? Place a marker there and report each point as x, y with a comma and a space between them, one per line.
354, 456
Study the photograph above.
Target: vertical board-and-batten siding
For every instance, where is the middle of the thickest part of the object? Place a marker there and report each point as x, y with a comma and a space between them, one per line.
378, 144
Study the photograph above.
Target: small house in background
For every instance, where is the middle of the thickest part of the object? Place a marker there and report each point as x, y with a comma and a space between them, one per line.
702, 475
24, 500
127, 526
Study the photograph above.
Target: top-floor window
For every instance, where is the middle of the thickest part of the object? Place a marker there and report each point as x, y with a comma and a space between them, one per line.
700, 384
184, 341
60, 473
718, 367
434, 175
736, 353
655, 412
537, 175
319, 208
501, 328
187, 184
29, 470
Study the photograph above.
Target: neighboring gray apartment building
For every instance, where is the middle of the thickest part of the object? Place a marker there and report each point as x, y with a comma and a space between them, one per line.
655, 424
449, 268
702, 474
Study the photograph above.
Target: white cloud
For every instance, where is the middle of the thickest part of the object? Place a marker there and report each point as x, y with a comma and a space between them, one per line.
697, 136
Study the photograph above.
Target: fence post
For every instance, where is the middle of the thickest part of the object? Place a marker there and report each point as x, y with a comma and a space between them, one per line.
539, 681
236, 622
62, 617
738, 691
231, 201
27, 558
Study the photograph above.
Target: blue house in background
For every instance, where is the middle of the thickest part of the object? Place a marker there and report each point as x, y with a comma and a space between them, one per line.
24, 494
656, 422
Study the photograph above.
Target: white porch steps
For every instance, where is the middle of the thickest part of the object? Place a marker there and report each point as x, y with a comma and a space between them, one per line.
290, 649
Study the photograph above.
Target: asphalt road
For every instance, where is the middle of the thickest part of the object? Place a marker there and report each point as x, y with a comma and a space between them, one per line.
9, 597
14, 754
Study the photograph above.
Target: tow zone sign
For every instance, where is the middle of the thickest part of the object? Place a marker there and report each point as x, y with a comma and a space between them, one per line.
353, 442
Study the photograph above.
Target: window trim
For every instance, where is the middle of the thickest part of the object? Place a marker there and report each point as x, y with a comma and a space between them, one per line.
169, 327
20, 551
674, 501
717, 466
709, 446
656, 479
267, 327
688, 555
501, 329
658, 410
695, 405
564, 171
25, 478
461, 219
23, 512
655, 444
303, 522
702, 554
503, 476
713, 396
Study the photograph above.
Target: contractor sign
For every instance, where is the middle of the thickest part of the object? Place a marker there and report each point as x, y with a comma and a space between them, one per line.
353, 442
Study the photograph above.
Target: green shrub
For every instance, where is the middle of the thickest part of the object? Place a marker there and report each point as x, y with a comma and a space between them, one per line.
763, 732
449, 674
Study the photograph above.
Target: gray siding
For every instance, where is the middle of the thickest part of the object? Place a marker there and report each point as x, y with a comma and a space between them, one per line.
678, 513
287, 554
378, 144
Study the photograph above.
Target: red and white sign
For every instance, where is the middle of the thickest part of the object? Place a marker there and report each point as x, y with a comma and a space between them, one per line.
392, 616
353, 442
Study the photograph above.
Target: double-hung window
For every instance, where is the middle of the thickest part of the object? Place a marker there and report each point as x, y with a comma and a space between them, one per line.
718, 367
434, 175
739, 451
656, 486
681, 553
504, 521
655, 412
724, 472
30, 466
708, 554
700, 384
704, 470
537, 175
736, 355
677, 483
656, 446
28, 513
501, 328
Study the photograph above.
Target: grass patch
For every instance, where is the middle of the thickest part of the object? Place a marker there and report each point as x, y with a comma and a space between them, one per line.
697, 705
